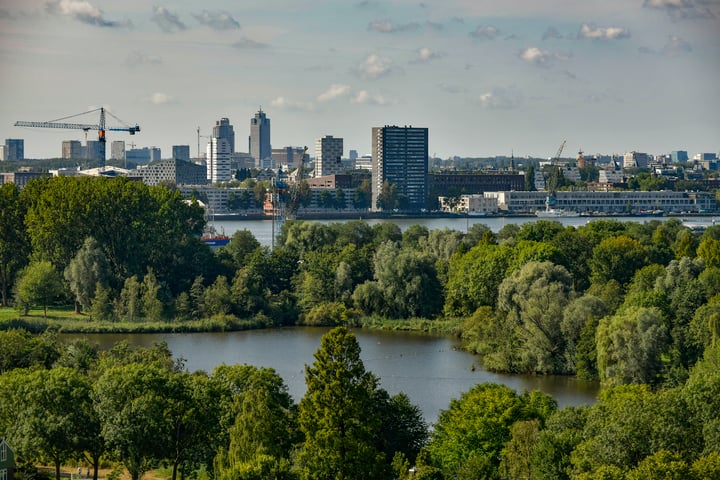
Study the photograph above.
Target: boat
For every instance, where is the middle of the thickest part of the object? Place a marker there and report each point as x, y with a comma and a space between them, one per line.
210, 236
555, 213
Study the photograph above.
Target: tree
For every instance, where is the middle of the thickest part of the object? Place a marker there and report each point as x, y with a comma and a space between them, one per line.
85, 271
617, 258
242, 244
475, 427
337, 413
217, 299
362, 199
129, 303
39, 283
151, 305
14, 243
630, 345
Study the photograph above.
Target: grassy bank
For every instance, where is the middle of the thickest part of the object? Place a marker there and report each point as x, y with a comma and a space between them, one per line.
441, 326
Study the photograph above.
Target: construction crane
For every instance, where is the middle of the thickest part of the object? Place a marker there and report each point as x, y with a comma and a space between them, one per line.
296, 190
556, 158
101, 127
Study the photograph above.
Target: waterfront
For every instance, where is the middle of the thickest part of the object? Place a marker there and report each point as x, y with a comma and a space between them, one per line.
431, 370
262, 229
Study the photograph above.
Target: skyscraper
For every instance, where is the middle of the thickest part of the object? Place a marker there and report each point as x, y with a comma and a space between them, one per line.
14, 149
117, 150
181, 152
223, 129
218, 160
328, 155
260, 138
400, 157
73, 149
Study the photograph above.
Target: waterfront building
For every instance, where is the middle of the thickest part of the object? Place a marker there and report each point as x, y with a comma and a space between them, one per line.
181, 152
175, 171
14, 149
259, 141
400, 157
469, 204
328, 155
452, 184
73, 149
223, 129
218, 160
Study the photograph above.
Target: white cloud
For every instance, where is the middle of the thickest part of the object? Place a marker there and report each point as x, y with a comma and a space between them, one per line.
425, 54
502, 98
217, 20
605, 33
363, 97
159, 98
335, 90
682, 9
167, 21
539, 57
286, 104
374, 66
80, 10
485, 32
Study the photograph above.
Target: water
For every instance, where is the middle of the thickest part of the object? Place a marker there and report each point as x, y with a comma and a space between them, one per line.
262, 229
431, 370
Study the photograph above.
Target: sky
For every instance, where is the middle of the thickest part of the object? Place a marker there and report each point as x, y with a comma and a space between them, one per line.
486, 77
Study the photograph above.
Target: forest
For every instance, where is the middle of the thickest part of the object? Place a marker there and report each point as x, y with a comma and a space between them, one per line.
635, 306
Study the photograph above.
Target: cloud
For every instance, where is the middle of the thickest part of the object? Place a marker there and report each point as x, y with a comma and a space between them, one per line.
336, 90
137, 58
539, 57
286, 104
676, 46
374, 66
386, 26
81, 11
424, 55
485, 32
453, 89
684, 9
501, 98
365, 98
160, 99
249, 44
217, 20
590, 31
551, 32
168, 21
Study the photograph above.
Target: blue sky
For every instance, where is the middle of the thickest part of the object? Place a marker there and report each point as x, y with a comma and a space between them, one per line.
486, 77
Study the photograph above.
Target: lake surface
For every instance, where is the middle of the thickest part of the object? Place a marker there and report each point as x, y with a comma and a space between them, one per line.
262, 229
431, 370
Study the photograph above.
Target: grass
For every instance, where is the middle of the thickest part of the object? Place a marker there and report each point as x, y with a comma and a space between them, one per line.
440, 326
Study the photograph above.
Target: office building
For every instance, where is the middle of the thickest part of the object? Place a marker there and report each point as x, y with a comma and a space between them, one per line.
328, 156
94, 150
117, 150
218, 161
400, 157
181, 152
179, 172
139, 156
288, 157
14, 149
155, 154
636, 160
223, 129
71, 149
353, 154
679, 156
259, 141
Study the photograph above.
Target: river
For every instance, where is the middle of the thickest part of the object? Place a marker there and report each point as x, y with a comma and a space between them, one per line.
262, 229
431, 370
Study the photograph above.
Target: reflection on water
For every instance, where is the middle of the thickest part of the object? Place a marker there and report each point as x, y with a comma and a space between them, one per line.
430, 370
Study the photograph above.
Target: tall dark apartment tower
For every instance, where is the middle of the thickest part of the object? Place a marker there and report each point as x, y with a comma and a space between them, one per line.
400, 156
223, 129
259, 139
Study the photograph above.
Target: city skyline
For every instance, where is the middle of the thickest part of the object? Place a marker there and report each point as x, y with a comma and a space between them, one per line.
485, 77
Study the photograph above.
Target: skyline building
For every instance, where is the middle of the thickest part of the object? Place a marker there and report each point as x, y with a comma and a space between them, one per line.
14, 149
400, 157
218, 160
71, 149
259, 140
181, 152
223, 129
328, 155
117, 150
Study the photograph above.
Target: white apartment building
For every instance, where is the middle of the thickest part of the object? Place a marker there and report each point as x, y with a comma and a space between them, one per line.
219, 156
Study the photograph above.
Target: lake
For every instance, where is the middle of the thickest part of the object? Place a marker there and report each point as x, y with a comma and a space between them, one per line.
431, 370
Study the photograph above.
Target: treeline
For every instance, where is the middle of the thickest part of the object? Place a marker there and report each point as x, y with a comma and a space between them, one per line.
139, 410
620, 302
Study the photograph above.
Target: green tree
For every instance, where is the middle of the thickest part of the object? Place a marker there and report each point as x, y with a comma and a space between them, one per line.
218, 298
362, 198
337, 413
130, 303
152, 305
101, 307
709, 250
14, 243
85, 271
242, 244
617, 258
39, 284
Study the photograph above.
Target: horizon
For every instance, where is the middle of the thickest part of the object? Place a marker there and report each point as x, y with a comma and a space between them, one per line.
486, 78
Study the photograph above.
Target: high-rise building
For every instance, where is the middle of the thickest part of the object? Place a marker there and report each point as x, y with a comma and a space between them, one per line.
328, 156
353, 154
71, 149
400, 157
288, 157
223, 129
219, 156
679, 156
117, 150
259, 141
14, 149
95, 150
181, 152
155, 154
